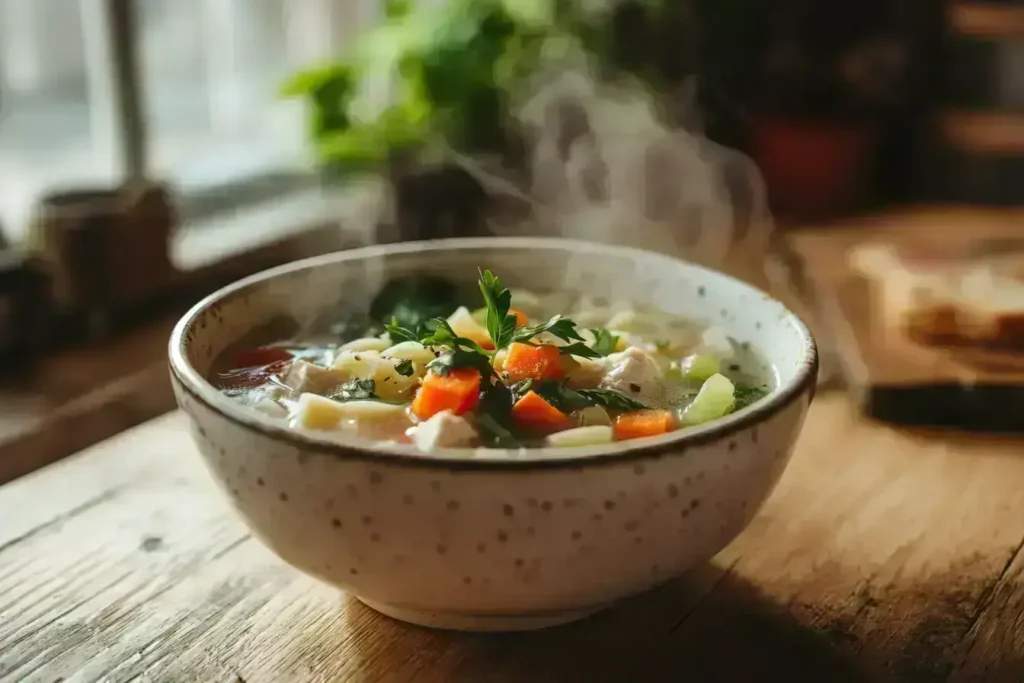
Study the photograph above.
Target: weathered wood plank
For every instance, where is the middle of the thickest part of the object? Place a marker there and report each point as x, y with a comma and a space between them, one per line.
882, 556
994, 648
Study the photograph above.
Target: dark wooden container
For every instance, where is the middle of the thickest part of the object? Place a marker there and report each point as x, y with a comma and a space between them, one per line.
104, 249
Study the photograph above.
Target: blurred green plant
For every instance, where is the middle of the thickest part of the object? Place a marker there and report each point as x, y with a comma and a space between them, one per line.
449, 72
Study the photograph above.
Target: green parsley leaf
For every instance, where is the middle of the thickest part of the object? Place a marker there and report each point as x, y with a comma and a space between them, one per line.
494, 416
605, 342
563, 328
578, 349
558, 394
494, 433
520, 389
356, 390
442, 334
497, 300
404, 367
398, 333
461, 358
614, 400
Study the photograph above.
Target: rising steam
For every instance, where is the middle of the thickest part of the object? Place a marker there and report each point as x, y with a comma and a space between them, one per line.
604, 165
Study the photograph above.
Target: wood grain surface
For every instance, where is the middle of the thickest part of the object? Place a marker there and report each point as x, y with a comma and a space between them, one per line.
882, 556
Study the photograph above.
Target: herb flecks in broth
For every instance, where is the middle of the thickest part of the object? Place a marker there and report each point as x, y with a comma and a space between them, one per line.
405, 368
356, 390
746, 395
443, 373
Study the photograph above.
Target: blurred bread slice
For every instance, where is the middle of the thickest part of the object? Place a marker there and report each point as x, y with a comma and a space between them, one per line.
939, 299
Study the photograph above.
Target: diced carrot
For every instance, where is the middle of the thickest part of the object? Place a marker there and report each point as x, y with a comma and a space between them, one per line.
643, 423
254, 358
458, 391
525, 361
533, 413
522, 320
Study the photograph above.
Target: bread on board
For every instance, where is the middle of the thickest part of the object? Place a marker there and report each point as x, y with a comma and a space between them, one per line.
944, 299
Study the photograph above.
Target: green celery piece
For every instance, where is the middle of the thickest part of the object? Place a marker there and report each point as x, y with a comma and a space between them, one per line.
714, 400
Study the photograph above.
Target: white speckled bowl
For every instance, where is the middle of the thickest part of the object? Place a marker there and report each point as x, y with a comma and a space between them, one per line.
492, 543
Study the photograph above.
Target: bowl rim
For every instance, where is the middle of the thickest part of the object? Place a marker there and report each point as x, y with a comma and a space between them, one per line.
189, 380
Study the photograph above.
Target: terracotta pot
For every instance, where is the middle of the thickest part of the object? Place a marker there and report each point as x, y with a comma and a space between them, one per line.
812, 168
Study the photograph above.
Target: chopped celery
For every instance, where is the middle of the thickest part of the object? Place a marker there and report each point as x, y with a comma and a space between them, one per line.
594, 435
715, 399
699, 367
592, 416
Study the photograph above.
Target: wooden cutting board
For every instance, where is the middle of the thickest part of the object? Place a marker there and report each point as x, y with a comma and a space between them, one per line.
895, 377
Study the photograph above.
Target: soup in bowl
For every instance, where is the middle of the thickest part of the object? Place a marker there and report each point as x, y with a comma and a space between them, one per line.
496, 433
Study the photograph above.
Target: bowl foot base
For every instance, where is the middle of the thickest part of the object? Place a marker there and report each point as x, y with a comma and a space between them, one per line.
460, 621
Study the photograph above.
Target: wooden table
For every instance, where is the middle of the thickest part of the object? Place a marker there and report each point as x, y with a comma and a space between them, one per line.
882, 556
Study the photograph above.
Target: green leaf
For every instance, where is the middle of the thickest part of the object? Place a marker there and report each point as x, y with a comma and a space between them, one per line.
534, 13
497, 300
356, 390
558, 394
353, 145
398, 333
404, 367
605, 342
397, 9
578, 349
608, 398
494, 416
461, 358
520, 389
495, 433
442, 334
563, 328
568, 400
308, 81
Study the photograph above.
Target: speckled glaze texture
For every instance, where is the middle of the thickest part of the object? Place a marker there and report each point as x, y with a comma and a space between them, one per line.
493, 544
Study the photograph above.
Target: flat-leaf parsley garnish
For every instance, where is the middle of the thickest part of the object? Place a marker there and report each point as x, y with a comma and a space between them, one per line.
497, 300
356, 390
501, 325
566, 399
605, 342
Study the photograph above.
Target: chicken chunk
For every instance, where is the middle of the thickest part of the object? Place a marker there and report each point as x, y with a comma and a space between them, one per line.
305, 377
636, 373
586, 373
443, 430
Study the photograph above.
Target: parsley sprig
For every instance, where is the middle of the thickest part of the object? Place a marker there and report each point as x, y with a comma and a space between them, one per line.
561, 396
494, 414
501, 326
497, 300
605, 342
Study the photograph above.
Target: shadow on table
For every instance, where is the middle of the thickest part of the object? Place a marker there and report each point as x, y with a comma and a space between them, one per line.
672, 634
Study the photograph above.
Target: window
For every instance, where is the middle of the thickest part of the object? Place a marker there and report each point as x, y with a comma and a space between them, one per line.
210, 122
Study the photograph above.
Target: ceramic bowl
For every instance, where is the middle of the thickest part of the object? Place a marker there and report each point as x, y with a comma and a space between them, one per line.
477, 540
